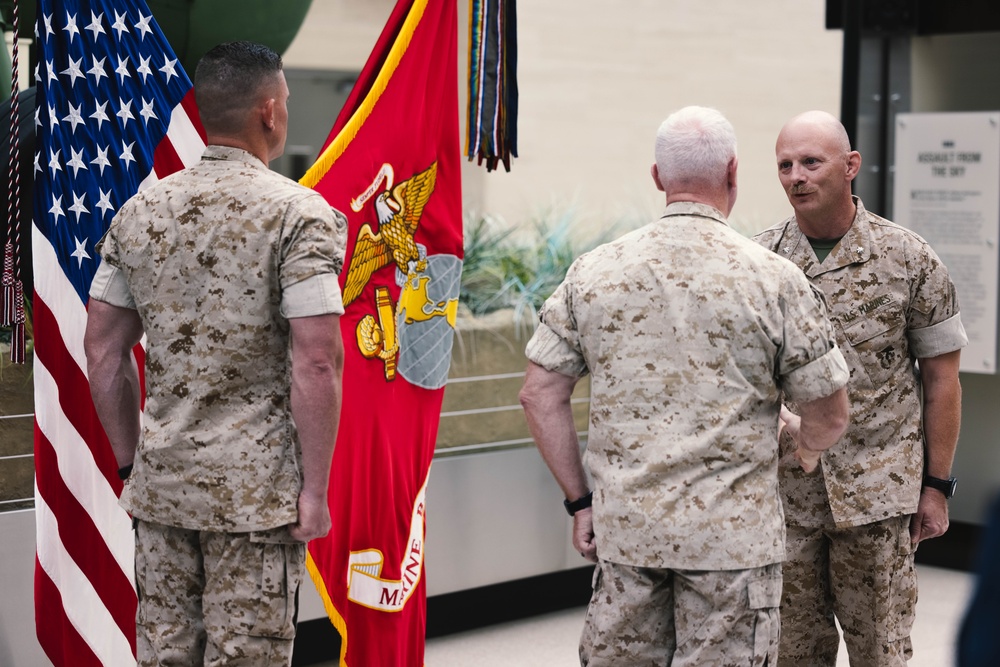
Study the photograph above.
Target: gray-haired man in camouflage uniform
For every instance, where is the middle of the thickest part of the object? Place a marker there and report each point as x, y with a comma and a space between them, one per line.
691, 334
853, 527
230, 270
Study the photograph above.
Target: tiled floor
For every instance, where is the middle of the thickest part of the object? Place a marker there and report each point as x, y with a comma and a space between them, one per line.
551, 640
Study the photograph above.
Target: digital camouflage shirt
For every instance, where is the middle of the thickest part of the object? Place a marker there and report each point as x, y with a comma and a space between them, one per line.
892, 302
690, 333
216, 258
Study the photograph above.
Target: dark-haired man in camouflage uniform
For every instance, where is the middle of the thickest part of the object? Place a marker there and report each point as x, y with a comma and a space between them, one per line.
230, 270
690, 334
853, 527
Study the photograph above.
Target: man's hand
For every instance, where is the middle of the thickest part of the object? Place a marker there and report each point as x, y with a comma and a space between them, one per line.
808, 459
931, 519
314, 519
583, 534
791, 423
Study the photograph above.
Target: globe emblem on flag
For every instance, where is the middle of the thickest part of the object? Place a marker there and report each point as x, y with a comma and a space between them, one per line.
425, 321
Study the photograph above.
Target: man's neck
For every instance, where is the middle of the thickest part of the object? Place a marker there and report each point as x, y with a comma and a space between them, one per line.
829, 225
254, 148
720, 202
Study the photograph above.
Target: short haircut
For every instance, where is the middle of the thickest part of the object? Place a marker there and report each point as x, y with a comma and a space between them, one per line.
694, 145
230, 80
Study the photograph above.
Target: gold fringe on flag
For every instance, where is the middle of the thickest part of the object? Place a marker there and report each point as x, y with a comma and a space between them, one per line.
350, 131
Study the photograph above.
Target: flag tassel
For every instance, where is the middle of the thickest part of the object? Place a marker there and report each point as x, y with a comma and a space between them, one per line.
8, 286
17, 341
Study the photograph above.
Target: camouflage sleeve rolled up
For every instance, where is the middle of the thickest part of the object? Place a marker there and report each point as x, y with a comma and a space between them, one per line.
933, 324
313, 242
312, 258
555, 344
810, 365
109, 284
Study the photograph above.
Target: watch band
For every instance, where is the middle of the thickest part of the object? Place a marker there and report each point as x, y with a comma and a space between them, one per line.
581, 503
945, 486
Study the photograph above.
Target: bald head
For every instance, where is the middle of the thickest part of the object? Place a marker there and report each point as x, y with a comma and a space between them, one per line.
822, 126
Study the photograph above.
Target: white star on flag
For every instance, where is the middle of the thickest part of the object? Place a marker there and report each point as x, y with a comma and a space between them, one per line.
147, 110
74, 117
78, 206
122, 69
97, 71
100, 115
143, 26
81, 251
95, 25
50, 72
126, 155
101, 160
143, 68
76, 161
53, 119
125, 112
73, 71
120, 26
71, 28
54, 163
104, 203
168, 68
57, 209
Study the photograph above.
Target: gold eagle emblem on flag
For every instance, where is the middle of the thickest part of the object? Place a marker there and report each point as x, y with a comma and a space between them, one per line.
399, 210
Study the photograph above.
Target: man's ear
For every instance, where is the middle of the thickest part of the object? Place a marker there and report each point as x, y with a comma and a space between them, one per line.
853, 164
267, 113
655, 173
731, 182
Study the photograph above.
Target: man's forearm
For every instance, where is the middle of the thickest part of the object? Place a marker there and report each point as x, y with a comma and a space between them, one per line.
545, 398
316, 395
823, 421
114, 389
942, 396
111, 334
315, 402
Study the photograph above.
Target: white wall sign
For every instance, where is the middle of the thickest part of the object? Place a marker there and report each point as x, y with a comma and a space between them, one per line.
947, 190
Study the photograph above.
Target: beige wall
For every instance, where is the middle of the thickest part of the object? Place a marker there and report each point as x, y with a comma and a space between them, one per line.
596, 78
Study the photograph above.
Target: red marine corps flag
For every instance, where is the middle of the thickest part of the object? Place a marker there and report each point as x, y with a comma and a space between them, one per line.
391, 164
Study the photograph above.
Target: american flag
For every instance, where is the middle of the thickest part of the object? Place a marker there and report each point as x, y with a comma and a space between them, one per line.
115, 112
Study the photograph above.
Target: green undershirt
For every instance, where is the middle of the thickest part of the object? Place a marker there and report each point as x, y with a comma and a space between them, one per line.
823, 247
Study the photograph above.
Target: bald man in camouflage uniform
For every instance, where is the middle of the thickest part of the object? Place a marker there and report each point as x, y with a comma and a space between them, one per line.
230, 270
853, 527
690, 333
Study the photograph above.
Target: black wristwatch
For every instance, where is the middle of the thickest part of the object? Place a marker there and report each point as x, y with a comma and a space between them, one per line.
945, 486
581, 503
